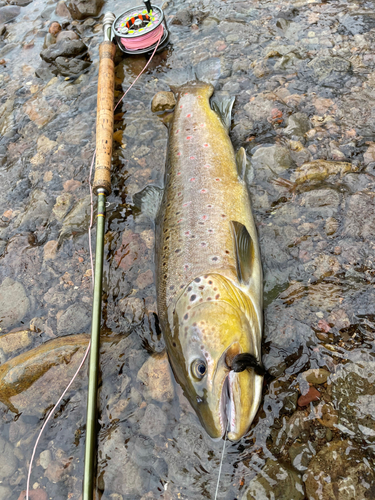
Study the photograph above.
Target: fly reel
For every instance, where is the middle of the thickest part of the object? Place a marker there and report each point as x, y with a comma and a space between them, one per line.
138, 30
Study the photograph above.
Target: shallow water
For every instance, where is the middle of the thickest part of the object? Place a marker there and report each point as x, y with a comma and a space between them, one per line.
303, 74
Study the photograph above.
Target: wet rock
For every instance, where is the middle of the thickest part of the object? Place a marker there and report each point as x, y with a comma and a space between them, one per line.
62, 10
298, 125
29, 382
276, 480
14, 303
318, 170
300, 455
316, 376
133, 309
5, 492
259, 108
8, 12
65, 49
183, 17
324, 66
54, 28
327, 416
312, 395
67, 35
132, 248
340, 470
271, 161
74, 320
353, 393
322, 201
163, 101
331, 226
50, 250
325, 266
49, 40
78, 219
8, 460
45, 458
158, 418
70, 67
145, 279
12, 342
59, 469
38, 110
81, 9
156, 376
355, 225
62, 205
117, 472
37, 494
7, 122
37, 212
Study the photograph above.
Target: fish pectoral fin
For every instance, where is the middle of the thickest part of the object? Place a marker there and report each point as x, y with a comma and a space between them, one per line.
223, 108
241, 161
244, 248
148, 200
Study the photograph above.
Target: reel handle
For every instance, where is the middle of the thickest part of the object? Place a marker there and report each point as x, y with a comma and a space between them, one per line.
105, 105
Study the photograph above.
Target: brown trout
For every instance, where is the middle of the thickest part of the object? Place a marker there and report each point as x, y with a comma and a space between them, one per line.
209, 275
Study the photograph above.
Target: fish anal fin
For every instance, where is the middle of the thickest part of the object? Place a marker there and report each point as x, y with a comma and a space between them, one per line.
148, 200
223, 108
241, 162
244, 249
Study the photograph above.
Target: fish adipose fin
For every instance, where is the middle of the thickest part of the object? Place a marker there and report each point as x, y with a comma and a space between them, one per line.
244, 251
223, 108
148, 200
241, 163
208, 71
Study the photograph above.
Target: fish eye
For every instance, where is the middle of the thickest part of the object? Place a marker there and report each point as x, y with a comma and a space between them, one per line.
198, 368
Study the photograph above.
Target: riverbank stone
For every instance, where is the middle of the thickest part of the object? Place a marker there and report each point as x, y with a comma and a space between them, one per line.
14, 303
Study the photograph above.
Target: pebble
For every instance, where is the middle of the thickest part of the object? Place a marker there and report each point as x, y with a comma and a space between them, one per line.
268, 162
8, 12
159, 421
6, 493
298, 125
163, 101
312, 395
82, 9
62, 205
67, 35
329, 417
50, 250
75, 319
12, 342
54, 28
45, 458
156, 376
38, 494
316, 376
62, 10
71, 185
8, 460
14, 303
145, 279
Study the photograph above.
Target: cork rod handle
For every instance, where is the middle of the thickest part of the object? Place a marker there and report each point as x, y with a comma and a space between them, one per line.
104, 117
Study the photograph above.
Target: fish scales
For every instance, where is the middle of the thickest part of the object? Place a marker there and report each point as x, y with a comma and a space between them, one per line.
202, 195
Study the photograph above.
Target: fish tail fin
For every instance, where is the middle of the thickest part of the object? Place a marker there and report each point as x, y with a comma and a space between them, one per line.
208, 71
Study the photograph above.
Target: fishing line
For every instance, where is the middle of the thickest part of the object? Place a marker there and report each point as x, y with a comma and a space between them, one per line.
160, 35
221, 460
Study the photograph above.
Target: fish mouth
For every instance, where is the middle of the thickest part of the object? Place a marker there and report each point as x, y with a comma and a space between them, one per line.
227, 412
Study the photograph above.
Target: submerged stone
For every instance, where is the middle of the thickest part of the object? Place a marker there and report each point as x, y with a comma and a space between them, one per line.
14, 303
156, 376
276, 480
30, 382
163, 101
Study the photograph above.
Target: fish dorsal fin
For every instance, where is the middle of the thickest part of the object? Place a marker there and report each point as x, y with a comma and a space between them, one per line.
244, 248
223, 108
148, 200
241, 163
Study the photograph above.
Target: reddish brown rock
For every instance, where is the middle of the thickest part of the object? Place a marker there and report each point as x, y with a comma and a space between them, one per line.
54, 28
37, 494
312, 395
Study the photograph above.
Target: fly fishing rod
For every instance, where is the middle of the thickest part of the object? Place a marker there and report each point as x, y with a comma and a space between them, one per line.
139, 30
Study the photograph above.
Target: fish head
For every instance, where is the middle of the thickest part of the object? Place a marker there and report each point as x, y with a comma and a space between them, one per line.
213, 322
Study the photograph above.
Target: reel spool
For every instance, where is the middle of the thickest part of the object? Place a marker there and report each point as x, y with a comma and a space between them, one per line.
138, 29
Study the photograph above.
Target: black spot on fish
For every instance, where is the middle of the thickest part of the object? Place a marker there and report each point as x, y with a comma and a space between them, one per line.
167, 238
186, 316
171, 287
189, 289
215, 259
227, 251
197, 280
174, 344
193, 297
201, 287
210, 282
178, 250
209, 298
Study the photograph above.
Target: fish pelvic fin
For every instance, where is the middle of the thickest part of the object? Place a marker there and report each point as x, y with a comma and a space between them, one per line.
244, 249
241, 162
223, 108
148, 200
208, 71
